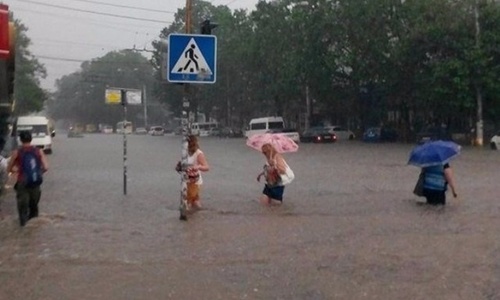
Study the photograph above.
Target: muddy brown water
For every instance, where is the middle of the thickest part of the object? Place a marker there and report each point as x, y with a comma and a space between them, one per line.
349, 227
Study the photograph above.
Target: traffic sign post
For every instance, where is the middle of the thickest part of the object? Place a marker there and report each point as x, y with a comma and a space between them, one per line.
192, 58
124, 97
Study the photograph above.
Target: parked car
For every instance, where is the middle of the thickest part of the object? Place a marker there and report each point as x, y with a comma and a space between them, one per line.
169, 131
90, 128
107, 129
318, 135
74, 133
178, 130
156, 131
141, 130
433, 133
214, 132
340, 132
225, 132
495, 142
237, 132
291, 133
380, 134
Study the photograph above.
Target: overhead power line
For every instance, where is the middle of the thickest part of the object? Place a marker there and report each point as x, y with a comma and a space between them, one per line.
86, 60
59, 58
95, 23
93, 12
230, 2
126, 6
52, 41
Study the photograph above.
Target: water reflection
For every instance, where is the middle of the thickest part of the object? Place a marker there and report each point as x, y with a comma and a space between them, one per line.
349, 227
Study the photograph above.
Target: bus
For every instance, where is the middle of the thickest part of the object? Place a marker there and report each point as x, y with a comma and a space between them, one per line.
203, 129
127, 129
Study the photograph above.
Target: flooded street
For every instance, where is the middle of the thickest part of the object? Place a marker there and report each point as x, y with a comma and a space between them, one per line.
349, 228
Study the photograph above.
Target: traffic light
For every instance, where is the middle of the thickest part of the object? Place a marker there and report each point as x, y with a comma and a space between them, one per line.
207, 26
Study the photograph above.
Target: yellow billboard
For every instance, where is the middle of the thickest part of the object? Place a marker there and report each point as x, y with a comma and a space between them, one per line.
113, 96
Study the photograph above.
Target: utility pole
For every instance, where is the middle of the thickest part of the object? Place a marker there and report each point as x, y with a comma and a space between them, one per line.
183, 208
145, 103
199, 77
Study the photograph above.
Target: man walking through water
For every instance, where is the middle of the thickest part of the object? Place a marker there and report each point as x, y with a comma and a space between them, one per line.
29, 162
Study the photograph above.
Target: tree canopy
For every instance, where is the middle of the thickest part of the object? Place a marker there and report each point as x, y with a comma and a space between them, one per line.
80, 96
364, 63
28, 95
404, 64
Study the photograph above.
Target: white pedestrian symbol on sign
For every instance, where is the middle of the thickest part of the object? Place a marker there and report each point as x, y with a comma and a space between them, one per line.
191, 61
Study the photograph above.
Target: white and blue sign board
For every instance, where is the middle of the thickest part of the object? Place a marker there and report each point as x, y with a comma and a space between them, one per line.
192, 58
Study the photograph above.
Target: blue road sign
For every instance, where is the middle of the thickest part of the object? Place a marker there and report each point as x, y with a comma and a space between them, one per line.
192, 58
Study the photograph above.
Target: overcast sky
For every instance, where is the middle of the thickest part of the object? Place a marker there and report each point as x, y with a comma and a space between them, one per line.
64, 33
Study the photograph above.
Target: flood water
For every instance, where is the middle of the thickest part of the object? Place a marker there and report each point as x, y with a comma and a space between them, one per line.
349, 228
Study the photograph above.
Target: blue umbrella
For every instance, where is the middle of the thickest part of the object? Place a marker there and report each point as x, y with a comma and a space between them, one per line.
433, 153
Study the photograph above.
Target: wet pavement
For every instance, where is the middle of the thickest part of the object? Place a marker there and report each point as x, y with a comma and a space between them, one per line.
349, 228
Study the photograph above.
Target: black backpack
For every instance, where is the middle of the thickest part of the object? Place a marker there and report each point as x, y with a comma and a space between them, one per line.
31, 167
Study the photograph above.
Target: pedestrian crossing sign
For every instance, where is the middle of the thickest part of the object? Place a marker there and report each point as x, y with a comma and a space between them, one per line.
192, 58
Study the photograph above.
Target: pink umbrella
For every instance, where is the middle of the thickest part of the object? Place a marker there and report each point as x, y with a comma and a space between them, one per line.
280, 142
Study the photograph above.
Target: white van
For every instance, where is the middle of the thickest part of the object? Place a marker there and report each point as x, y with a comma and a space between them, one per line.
263, 125
203, 128
40, 129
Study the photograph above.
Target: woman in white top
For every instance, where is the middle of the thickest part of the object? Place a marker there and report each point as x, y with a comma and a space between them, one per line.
197, 164
274, 168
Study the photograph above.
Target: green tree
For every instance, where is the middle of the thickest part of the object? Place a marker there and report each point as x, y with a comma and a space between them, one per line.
364, 63
28, 95
80, 97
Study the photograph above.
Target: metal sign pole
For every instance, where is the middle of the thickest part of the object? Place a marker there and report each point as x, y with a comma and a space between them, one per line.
144, 102
124, 104
183, 208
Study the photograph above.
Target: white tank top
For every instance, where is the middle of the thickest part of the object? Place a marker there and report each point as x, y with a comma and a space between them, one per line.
193, 161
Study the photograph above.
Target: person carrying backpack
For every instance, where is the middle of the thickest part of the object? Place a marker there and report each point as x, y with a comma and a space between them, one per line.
30, 163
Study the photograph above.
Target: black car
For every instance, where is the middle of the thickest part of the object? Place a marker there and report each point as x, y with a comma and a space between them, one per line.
317, 135
237, 132
433, 133
380, 134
